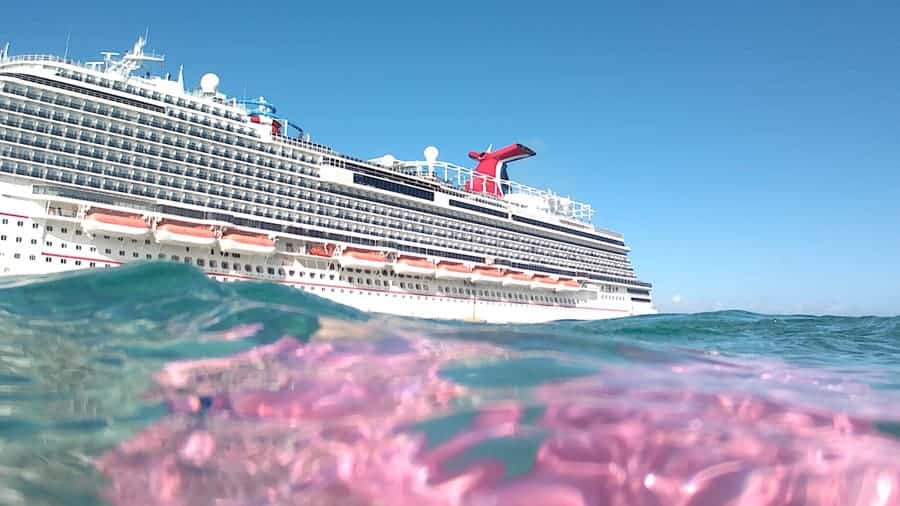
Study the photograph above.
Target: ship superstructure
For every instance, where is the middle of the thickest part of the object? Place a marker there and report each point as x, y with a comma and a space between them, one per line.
102, 163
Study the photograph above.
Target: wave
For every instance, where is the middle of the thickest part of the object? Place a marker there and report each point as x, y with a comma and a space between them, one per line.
152, 383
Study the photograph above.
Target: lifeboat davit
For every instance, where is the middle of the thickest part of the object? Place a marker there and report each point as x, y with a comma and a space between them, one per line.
172, 232
321, 250
247, 243
362, 258
452, 270
568, 285
413, 265
517, 279
114, 222
546, 282
487, 275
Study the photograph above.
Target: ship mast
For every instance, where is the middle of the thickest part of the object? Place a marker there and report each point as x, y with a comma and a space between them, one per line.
132, 60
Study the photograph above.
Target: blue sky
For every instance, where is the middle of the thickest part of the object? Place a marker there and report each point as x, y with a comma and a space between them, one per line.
748, 151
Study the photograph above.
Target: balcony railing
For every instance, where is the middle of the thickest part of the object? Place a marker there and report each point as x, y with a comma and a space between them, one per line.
38, 58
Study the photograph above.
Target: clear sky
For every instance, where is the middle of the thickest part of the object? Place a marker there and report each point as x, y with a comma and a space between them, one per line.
747, 150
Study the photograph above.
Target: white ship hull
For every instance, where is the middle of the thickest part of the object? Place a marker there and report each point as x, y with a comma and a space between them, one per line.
46, 243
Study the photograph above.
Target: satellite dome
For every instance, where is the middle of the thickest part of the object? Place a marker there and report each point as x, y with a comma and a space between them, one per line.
385, 161
431, 154
209, 83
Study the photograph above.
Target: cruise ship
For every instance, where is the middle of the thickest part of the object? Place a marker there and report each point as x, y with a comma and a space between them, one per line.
103, 163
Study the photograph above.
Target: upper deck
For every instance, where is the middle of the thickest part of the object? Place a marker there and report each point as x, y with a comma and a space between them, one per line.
511, 196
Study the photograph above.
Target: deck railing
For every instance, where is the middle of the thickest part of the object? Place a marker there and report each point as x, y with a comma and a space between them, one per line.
507, 191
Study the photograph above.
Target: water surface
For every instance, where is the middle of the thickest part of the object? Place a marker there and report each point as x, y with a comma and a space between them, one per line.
151, 384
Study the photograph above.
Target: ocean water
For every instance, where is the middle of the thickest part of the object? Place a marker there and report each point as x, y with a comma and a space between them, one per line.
153, 385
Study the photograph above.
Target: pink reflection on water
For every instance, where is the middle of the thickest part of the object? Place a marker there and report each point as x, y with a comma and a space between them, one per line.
327, 423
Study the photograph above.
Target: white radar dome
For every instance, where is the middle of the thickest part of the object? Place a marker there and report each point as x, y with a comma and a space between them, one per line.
209, 83
386, 160
431, 154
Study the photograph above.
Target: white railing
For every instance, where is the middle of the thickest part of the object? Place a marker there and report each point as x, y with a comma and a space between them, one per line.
511, 192
319, 148
28, 58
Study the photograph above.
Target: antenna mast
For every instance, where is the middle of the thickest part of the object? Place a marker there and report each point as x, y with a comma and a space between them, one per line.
68, 36
133, 59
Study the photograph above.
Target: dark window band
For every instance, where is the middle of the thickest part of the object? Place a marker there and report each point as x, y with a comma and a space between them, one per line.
86, 91
566, 230
478, 209
390, 186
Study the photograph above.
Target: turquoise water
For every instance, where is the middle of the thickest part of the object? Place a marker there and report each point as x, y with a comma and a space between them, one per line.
151, 384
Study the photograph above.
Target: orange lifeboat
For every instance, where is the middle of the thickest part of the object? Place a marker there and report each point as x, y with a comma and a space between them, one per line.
321, 250
517, 279
568, 285
413, 265
173, 232
487, 275
543, 281
114, 222
452, 270
247, 243
362, 258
